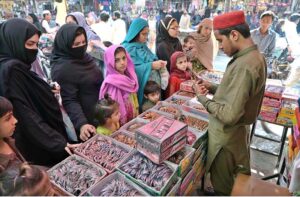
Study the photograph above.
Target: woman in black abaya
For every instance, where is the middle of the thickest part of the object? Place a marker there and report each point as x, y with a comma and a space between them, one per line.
40, 133
79, 77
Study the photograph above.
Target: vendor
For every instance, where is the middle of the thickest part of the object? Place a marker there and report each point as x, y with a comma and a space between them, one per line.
236, 102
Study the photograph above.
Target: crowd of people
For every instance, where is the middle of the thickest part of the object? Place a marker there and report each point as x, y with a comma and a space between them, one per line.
44, 115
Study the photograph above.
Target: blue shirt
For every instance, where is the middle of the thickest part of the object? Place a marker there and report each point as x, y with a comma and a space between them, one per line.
266, 43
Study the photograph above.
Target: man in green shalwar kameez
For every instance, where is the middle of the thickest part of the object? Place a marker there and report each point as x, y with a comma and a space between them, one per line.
236, 102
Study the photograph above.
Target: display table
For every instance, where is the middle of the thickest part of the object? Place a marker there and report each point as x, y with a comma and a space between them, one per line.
282, 140
246, 185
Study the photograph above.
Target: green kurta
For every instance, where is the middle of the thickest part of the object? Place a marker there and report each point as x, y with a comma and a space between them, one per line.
235, 105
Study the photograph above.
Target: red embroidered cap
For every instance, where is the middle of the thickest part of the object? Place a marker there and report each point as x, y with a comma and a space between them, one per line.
229, 19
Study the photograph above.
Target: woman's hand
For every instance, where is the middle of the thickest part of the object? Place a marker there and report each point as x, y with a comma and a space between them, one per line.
87, 131
55, 87
71, 147
156, 65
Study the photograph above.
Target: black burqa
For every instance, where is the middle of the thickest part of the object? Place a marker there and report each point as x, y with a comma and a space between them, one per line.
36, 21
40, 133
165, 44
80, 78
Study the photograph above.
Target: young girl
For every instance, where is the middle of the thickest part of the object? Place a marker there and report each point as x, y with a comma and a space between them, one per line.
107, 115
121, 82
26, 180
9, 155
179, 73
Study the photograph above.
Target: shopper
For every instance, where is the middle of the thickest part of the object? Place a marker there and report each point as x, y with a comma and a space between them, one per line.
10, 157
146, 64
179, 72
79, 77
152, 93
121, 82
103, 29
264, 37
107, 115
40, 133
26, 180
46, 23
118, 28
185, 20
236, 102
167, 41
205, 44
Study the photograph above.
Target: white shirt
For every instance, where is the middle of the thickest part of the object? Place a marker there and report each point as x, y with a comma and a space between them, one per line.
48, 29
103, 30
119, 31
185, 21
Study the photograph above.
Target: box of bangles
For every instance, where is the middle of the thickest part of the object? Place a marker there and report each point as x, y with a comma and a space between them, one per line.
187, 86
168, 109
177, 100
116, 184
75, 175
194, 138
125, 138
133, 125
183, 158
162, 156
156, 179
160, 134
211, 76
202, 150
152, 114
193, 106
174, 189
188, 95
104, 151
195, 122
187, 183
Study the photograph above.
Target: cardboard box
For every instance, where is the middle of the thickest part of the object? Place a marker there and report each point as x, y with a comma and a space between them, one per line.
274, 91
187, 86
129, 126
152, 191
160, 134
271, 102
96, 189
187, 182
175, 189
151, 115
160, 157
193, 106
122, 133
119, 145
82, 161
176, 100
199, 138
188, 95
185, 118
162, 106
185, 164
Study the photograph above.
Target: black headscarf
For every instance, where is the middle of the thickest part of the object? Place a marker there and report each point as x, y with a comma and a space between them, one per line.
40, 133
165, 44
163, 34
73, 74
36, 21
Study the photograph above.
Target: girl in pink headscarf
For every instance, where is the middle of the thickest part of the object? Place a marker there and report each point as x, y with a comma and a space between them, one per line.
121, 82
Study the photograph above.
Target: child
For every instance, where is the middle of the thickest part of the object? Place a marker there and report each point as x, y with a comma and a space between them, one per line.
152, 94
25, 180
9, 155
121, 82
179, 73
107, 116
190, 50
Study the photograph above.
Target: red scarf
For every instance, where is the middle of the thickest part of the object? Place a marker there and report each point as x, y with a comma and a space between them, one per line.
183, 75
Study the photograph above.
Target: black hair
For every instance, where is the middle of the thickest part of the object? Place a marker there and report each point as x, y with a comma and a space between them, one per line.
120, 49
104, 109
117, 14
73, 17
242, 29
5, 106
187, 38
79, 31
25, 180
44, 15
104, 16
151, 87
107, 43
268, 13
